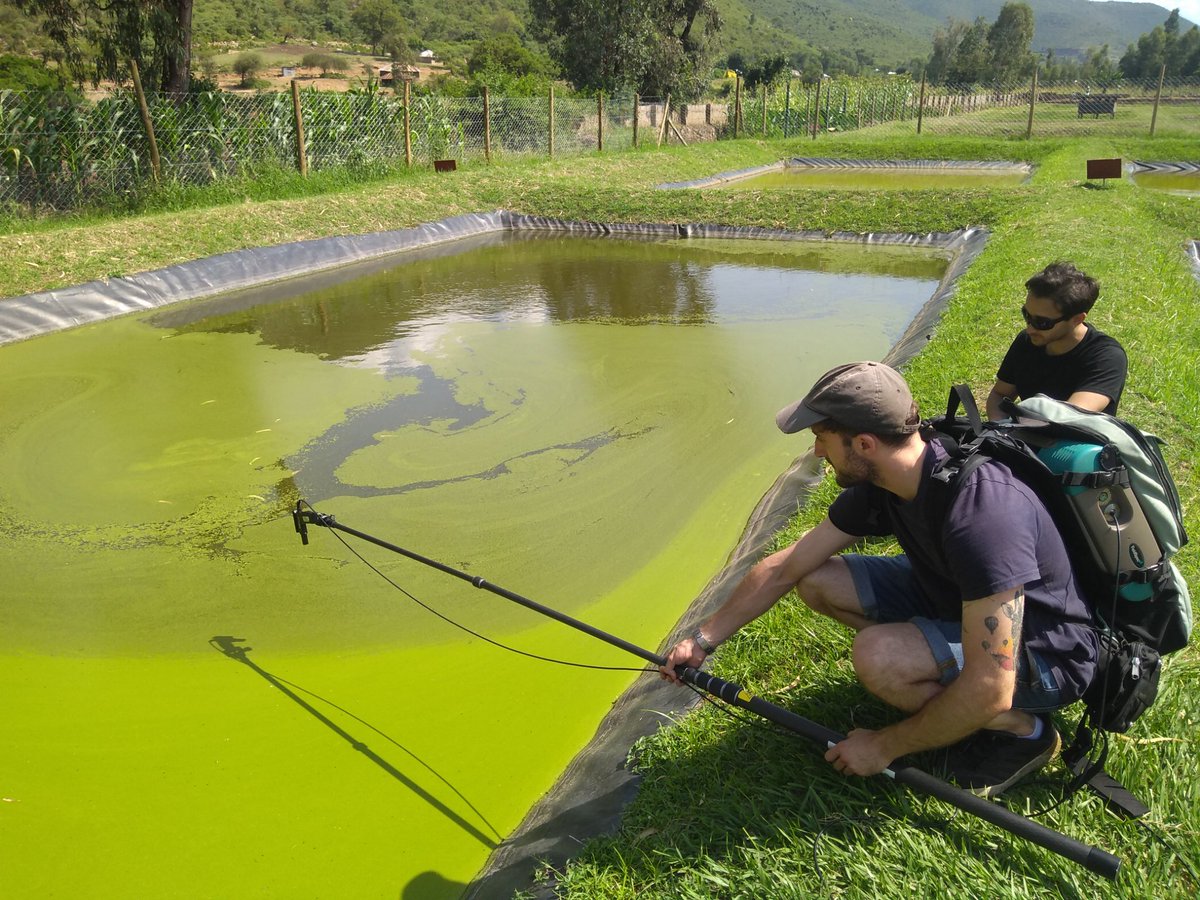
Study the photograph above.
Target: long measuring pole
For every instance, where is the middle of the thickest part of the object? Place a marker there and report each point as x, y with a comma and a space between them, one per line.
1091, 858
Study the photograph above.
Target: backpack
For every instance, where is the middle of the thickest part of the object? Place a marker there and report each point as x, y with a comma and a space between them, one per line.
1112, 498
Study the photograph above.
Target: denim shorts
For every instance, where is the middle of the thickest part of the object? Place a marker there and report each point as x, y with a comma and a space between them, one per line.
888, 592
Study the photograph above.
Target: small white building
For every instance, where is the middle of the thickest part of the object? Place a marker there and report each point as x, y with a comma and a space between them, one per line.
427, 56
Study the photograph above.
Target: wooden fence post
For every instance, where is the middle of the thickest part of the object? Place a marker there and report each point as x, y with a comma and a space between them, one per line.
1032, 101
637, 109
551, 122
662, 131
147, 122
487, 124
816, 110
298, 118
599, 120
1157, 96
407, 129
737, 104
921, 105
787, 106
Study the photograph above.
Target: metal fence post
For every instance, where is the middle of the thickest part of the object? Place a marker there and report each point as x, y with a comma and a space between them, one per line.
1032, 101
298, 118
487, 124
764, 109
147, 122
637, 108
599, 121
1157, 96
550, 132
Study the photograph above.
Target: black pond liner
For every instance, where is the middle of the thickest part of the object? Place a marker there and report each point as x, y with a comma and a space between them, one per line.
1141, 167
813, 162
588, 798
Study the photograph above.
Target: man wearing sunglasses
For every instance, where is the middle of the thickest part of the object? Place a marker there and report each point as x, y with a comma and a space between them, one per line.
1059, 354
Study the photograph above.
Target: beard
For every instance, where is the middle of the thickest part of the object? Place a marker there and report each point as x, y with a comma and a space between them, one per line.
857, 471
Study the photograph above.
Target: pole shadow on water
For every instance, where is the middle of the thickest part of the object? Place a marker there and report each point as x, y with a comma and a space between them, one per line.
232, 648
432, 886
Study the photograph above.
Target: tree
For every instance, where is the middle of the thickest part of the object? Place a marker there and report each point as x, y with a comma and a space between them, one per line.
1008, 42
20, 73
1147, 57
376, 19
155, 33
766, 71
971, 62
247, 65
1163, 46
323, 61
504, 52
946, 42
653, 46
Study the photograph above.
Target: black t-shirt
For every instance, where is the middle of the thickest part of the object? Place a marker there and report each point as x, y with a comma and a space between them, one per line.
996, 534
1096, 364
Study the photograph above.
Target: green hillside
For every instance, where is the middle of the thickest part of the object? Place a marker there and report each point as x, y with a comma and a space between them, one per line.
891, 32
884, 33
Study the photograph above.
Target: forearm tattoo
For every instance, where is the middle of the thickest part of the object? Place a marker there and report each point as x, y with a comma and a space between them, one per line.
1001, 648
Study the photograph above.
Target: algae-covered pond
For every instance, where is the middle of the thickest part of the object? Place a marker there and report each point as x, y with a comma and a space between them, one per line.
586, 421
864, 178
1181, 181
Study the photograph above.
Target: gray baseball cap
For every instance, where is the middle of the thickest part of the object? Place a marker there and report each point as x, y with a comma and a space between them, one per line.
868, 396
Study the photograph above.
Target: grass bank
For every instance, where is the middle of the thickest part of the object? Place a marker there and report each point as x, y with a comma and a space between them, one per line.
728, 808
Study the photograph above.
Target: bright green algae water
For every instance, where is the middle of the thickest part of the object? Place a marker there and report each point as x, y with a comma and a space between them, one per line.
588, 422
882, 179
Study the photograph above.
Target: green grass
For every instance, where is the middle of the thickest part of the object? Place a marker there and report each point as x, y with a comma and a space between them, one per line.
727, 808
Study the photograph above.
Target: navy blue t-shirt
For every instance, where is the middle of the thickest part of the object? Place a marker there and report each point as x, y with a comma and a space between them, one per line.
1096, 364
996, 535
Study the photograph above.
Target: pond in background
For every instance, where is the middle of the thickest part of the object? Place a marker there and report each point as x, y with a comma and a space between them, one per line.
195, 699
863, 178
1184, 179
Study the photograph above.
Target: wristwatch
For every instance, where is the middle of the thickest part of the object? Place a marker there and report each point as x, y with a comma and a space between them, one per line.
703, 643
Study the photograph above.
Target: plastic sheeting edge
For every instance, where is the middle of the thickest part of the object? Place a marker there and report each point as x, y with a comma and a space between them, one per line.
45, 312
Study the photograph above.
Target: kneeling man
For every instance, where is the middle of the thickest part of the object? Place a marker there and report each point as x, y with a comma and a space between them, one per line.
977, 631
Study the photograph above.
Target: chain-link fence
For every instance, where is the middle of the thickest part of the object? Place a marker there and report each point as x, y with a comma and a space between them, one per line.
60, 152
1162, 106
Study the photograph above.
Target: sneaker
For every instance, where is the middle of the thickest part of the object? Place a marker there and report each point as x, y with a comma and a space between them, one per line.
990, 762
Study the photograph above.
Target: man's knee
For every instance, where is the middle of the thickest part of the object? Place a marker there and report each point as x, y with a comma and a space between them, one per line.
828, 581
892, 654
829, 589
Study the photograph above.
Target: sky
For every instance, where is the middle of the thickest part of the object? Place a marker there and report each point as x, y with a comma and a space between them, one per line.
1188, 9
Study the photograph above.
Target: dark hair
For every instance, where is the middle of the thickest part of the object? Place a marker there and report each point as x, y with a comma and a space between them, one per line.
1072, 291
889, 438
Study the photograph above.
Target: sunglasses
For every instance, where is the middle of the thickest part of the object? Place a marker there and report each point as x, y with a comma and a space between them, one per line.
1041, 323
